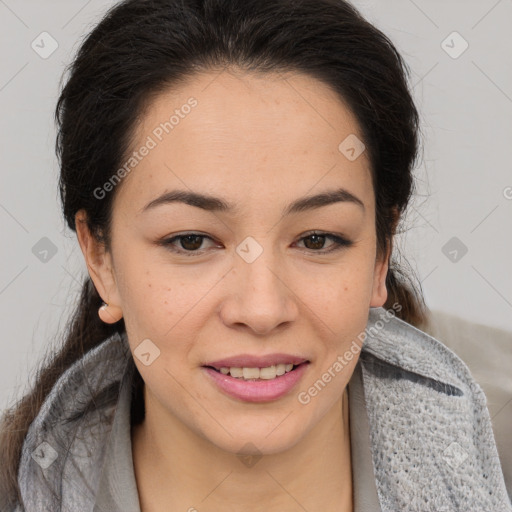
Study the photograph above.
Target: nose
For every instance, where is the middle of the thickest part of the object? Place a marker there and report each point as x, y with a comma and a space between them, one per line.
260, 298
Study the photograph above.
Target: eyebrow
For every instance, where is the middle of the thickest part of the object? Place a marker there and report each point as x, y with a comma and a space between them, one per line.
216, 204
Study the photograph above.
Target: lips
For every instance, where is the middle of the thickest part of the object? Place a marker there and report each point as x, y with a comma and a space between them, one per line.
256, 390
252, 361
252, 378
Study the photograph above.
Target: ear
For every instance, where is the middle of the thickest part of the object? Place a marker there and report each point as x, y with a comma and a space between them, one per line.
98, 261
379, 291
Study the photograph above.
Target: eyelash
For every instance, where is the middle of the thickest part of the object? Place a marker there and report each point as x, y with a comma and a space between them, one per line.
339, 243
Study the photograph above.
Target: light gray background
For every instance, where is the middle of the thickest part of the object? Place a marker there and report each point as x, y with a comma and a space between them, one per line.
464, 178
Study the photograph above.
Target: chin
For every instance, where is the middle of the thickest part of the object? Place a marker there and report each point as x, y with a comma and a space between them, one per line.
258, 439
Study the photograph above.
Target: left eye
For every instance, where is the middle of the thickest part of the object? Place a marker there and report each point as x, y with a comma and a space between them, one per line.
191, 243
319, 239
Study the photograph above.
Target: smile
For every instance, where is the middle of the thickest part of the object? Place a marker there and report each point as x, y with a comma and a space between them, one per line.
268, 373
251, 384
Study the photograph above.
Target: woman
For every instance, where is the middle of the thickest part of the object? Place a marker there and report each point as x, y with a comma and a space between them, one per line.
235, 172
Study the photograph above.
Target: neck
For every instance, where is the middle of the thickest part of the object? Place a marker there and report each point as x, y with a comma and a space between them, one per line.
176, 469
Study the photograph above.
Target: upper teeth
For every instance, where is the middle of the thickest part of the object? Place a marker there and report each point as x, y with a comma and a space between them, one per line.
270, 372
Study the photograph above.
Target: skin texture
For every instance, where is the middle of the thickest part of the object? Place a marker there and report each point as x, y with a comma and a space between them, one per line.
261, 142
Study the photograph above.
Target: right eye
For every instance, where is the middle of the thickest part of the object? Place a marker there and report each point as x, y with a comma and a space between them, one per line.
190, 243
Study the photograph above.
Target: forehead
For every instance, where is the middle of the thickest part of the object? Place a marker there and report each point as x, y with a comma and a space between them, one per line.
245, 136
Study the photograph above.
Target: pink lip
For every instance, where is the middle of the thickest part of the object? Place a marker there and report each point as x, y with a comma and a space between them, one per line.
257, 390
251, 361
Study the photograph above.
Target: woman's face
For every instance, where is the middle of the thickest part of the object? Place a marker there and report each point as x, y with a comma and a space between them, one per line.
255, 282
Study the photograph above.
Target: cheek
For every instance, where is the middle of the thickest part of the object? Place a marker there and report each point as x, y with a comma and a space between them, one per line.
339, 294
153, 296
168, 310
148, 301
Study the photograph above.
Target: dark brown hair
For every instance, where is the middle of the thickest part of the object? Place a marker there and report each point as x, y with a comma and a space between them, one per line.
143, 47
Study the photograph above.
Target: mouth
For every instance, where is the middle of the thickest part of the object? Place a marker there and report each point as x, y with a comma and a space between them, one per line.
254, 384
256, 374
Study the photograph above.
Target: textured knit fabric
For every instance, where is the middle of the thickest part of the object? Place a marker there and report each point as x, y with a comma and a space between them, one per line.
428, 430
487, 351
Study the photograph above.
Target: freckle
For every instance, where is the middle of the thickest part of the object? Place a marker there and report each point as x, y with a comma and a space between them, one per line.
165, 302
149, 284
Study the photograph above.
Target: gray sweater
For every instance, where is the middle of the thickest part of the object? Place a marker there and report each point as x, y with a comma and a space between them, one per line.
421, 434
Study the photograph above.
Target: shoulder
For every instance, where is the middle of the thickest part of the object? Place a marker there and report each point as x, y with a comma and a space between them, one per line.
64, 442
430, 429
